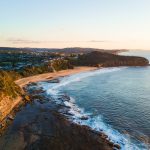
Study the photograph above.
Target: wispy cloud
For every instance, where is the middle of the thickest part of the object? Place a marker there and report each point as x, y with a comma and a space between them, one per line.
26, 41
98, 41
22, 41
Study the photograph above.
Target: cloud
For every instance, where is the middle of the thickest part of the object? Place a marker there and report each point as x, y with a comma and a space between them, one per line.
98, 41
26, 41
22, 41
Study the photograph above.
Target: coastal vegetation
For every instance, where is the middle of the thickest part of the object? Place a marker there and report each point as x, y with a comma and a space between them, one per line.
7, 84
100, 59
61, 64
7, 78
34, 70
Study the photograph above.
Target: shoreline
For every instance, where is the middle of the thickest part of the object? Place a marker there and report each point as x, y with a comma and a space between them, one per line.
23, 82
53, 75
50, 128
53, 79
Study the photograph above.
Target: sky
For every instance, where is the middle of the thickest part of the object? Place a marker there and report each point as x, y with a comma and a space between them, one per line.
107, 24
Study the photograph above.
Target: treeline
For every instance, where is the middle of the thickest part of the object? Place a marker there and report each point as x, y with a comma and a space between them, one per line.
109, 60
34, 70
52, 66
61, 64
7, 78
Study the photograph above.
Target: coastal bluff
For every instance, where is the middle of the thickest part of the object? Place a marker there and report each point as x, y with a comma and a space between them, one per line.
12, 92
7, 104
102, 59
40, 125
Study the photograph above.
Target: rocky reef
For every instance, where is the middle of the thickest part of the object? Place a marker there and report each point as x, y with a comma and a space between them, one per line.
40, 125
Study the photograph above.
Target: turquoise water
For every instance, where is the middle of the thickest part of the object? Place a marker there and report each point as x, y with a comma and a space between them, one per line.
115, 100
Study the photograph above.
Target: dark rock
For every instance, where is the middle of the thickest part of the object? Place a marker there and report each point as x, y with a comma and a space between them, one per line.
10, 117
117, 146
53, 81
33, 84
66, 97
1, 126
111, 144
43, 128
84, 118
104, 136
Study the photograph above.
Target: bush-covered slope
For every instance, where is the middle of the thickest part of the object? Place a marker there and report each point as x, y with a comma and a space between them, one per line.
110, 60
61, 64
34, 70
9, 92
7, 85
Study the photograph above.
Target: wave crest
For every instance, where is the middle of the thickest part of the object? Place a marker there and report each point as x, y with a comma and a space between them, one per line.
96, 123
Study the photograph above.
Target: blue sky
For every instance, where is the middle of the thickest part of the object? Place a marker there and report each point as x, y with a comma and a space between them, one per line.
67, 23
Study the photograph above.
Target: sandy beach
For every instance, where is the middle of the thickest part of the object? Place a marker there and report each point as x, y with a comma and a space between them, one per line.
9, 106
53, 75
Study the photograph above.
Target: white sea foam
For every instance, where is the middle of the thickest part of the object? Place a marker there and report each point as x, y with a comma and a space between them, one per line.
53, 88
124, 141
96, 122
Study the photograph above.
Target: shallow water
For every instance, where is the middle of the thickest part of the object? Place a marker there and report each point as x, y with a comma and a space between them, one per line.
116, 101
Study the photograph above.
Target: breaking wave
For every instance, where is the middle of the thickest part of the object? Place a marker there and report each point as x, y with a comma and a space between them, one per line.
79, 116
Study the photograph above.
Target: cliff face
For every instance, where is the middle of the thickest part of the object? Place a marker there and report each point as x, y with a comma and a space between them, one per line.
6, 105
110, 60
41, 126
9, 93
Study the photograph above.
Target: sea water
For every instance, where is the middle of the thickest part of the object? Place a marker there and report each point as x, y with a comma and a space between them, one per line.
115, 101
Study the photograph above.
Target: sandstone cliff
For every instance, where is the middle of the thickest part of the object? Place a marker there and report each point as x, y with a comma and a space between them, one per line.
6, 105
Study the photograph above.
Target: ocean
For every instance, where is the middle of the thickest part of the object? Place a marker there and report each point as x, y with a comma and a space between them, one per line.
115, 101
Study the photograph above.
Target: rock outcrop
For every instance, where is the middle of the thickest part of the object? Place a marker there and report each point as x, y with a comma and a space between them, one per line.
41, 126
7, 104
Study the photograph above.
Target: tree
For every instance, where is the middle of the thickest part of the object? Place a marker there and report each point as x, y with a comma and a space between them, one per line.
60, 64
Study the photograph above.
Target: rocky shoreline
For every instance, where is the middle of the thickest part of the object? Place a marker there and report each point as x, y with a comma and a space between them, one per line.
9, 107
40, 125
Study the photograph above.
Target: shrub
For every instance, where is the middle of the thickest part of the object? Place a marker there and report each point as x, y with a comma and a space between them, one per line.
60, 64
34, 70
8, 86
